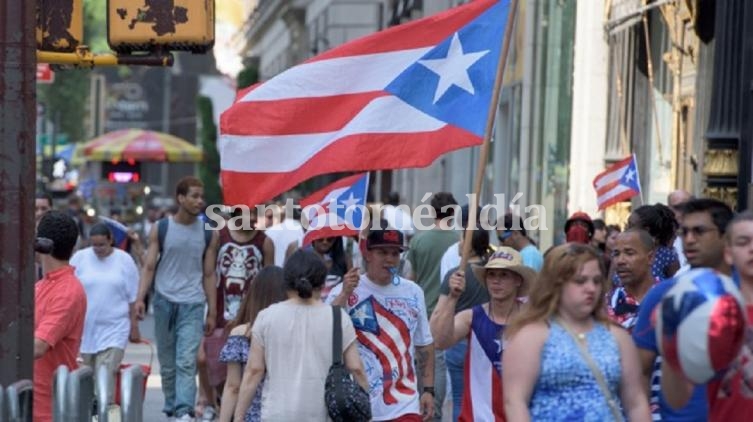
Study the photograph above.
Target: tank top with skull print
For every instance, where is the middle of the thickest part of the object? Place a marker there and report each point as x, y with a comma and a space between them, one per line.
237, 265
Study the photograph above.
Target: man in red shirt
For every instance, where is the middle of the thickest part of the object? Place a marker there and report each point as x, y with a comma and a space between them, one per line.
59, 309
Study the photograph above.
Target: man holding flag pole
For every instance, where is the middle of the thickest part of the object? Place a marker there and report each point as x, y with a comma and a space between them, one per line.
395, 99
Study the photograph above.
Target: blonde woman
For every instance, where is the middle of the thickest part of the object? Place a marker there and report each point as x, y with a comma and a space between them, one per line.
563, 359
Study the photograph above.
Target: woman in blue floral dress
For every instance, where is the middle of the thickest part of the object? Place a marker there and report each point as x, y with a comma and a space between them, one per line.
267, 288
547, 377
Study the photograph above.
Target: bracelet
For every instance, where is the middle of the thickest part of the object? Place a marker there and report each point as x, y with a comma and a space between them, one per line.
429, 390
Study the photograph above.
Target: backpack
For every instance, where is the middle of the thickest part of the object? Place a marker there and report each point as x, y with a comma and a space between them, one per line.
163, 224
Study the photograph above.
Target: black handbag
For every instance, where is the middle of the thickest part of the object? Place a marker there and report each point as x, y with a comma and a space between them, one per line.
346, 401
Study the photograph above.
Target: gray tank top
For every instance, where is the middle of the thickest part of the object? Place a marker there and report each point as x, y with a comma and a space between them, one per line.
180, 272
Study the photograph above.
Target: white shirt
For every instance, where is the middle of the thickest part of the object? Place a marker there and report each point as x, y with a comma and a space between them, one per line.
282, 235
450, 260
384, 318
111, 284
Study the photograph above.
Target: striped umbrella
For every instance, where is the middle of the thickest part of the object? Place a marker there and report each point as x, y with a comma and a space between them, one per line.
141, 145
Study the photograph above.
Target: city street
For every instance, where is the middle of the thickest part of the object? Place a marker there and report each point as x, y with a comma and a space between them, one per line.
139, 354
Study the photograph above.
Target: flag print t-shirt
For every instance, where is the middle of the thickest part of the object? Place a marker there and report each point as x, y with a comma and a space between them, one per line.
390, 321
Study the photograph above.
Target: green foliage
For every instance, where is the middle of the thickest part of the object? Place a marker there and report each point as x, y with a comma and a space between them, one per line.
95, 25
247, 77
209, 169
67, 98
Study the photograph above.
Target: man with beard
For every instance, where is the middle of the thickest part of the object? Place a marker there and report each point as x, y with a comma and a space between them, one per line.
184, 284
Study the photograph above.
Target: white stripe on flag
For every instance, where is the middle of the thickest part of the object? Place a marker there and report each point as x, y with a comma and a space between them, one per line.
366, 73
610, 177
481, 381
612, 193
272, 154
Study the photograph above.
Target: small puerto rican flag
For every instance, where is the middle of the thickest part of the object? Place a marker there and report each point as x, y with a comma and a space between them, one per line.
617, 183
338, 209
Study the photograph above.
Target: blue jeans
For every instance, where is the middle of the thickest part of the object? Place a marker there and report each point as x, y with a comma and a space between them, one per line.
455, 359
178, 328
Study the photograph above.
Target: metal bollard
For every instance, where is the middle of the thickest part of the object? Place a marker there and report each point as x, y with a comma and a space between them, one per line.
132, 394
59, 389
19, 398
103, 391
80, 395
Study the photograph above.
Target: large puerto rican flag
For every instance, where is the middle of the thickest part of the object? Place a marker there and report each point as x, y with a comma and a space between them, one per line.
338, 209
398, 98
617, 183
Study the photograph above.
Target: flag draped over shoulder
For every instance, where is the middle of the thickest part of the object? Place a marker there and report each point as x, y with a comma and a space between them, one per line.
338, 209
618, 182
394, 99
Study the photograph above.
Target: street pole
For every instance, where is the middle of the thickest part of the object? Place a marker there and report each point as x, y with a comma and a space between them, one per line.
166, 102
17, 184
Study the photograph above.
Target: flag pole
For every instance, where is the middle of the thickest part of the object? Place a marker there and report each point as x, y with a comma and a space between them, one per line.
483, 156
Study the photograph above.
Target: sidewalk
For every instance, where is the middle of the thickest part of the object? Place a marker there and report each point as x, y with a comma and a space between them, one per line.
138, 354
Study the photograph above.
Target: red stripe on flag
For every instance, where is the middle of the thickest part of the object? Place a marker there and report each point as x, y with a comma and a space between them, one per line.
618, 198
384, 361
424, 32
360, 152
607, 188
296, 115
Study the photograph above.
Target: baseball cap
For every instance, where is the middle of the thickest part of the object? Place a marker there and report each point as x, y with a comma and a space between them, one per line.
385, 238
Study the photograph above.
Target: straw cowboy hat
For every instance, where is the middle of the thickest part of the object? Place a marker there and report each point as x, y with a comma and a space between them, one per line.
509, 259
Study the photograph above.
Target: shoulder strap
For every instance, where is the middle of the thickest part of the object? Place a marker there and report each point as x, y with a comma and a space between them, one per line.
207, 237
337, 337
598, 375
162, 225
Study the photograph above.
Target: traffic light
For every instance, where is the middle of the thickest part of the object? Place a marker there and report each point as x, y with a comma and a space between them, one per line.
146, 25
60, 25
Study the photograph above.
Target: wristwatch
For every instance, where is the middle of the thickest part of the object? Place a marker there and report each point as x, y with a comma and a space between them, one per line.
429, 390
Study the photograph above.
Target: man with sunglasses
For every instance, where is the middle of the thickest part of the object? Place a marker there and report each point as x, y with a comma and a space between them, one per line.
702, 228
513, 235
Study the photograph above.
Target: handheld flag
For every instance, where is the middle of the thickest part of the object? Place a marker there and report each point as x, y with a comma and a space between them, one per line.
337, 209
395, 99
617, 183
119, 232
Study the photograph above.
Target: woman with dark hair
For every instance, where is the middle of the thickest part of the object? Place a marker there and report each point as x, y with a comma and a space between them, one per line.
659, 221
292, 346
111, 280
332, 253
563, 359
267, 288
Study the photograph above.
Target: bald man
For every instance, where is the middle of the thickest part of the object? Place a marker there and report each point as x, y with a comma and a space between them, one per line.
675, 201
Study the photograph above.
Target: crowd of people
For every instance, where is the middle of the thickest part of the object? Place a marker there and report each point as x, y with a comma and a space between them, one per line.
511, 333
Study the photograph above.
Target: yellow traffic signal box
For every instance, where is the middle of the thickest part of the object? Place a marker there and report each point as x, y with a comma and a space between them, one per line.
144, 25
60, 25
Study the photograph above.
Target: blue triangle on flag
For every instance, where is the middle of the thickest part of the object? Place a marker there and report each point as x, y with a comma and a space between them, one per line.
467, 106
630, 177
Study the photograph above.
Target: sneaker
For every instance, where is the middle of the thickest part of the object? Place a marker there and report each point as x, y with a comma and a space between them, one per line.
209, 414
184, 418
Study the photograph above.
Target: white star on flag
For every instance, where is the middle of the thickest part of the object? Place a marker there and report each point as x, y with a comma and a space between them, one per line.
629, 175
361, 315
453, 69
352, 201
